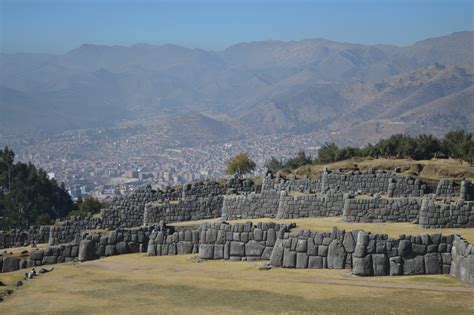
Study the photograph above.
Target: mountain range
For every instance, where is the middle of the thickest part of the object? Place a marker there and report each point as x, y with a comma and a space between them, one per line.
362, 92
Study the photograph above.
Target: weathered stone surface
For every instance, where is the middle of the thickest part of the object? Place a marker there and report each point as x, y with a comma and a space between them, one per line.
312, 247
271, 237
36, 254
206, 251
362, 266
110, 250
87, 250
10, 263
414, 266
349, 242
301, 260
361, 245
322, 250
395, 266
380, 265
252, 248
315, 262
302, 245
237, 249
404, 248
289, 258
186, 247
121, 248
266, 255
218, 251
336, 255
433, 263
48, 260
276, 259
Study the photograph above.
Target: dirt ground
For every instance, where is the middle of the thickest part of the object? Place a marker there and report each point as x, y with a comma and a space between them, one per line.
137, 284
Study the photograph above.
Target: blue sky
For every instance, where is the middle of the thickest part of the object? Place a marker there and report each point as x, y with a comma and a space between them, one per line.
56, 26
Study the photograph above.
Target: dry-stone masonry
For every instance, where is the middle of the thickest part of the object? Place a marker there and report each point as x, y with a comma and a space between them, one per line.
310, 205
188, 209
377, 209
17, 238
447, 214
316, 250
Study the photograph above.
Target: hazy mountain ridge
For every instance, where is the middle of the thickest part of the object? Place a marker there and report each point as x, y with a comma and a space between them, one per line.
266, 87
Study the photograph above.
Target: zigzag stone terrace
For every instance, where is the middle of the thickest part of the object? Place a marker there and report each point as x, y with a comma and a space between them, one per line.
136, 223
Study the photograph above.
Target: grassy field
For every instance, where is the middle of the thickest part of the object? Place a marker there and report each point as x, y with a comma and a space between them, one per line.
434, 169
132, 284
323, 224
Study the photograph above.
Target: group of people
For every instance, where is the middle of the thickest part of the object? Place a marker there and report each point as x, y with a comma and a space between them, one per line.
32, 273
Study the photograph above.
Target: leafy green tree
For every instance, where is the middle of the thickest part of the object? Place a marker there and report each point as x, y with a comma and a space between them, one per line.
240, 164
459, 145
274, 165
90, 204
299, 160
328, 153
29, 196
426, 147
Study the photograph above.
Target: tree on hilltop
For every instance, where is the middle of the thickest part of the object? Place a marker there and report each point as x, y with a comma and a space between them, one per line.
240, 164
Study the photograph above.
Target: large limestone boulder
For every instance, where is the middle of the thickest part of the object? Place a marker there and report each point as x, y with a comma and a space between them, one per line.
414, 266
276, 258
395, 266
87, 250
253, 248
10, 263
362, 266
336, 255
380, 264
37, 254
206, 251
237, 249
289, 258
433, 263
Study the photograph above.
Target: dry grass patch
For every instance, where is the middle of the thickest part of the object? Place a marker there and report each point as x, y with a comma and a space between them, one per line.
131, 284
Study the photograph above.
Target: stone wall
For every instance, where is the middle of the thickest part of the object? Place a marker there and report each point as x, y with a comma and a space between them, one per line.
446, 214
306, 249
406, 186
381, 209
367, 254
365, 182
315, 205
378, 255
239, 241
17, 238
445, 188
250, 206
462, 260
291, 183
69, 230
466, 191
94, 245
188, 209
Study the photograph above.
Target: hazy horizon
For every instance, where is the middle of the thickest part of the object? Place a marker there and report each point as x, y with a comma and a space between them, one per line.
56, 26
